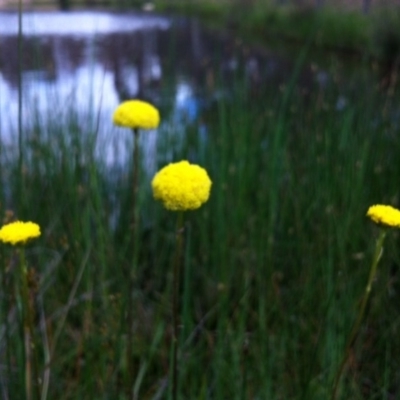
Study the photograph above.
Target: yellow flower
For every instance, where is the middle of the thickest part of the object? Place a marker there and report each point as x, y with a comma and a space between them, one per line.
19, 232
136, 114
181, 186
385, 215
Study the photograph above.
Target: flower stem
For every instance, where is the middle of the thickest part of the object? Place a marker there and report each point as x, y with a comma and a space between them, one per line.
131, 271
175, 304
135, 178
356, 327
31, 363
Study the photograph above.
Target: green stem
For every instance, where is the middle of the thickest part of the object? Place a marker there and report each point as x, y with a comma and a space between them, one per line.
175, 304
135, 178
6, 306
31, 363
356, 327
132, 270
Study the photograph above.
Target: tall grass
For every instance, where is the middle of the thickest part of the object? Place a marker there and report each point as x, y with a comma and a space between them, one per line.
333, 26
274, 264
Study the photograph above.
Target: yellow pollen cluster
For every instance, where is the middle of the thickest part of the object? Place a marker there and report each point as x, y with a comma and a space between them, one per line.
136, 114
19, 232
181, 186
384, 215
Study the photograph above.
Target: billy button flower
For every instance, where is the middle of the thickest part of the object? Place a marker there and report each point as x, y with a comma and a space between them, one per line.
181, 186
19, 232
385, 217
136, 114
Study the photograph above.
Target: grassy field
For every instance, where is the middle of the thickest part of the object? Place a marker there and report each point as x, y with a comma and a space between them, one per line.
274, 264
340, 26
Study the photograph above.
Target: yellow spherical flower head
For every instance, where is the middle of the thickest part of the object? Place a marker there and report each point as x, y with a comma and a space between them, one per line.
136, 114
384, 215
19, 232
181, 186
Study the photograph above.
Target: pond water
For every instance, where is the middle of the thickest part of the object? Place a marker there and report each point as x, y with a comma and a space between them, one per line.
86, 63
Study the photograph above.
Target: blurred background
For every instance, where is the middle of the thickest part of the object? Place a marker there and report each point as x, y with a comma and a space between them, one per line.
293, 107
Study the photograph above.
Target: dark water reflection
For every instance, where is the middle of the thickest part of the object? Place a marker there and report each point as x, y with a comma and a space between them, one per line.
86, 63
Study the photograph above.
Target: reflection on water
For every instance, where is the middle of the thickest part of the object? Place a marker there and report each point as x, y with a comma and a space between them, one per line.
88, 62
77, 62
78, 23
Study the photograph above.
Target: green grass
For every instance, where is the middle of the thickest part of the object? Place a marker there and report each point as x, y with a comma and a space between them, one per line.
274, 264
327, 27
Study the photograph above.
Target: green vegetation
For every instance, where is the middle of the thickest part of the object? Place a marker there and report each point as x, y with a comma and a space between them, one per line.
275, 263
326, 27
265, 22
